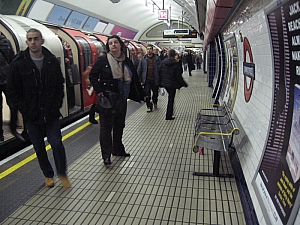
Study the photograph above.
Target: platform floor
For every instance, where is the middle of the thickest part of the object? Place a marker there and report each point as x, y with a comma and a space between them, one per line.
155, 185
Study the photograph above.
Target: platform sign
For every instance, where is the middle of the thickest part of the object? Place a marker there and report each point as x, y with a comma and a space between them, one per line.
163, 14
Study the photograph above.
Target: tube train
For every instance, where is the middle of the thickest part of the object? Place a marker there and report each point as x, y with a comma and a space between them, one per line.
76, 50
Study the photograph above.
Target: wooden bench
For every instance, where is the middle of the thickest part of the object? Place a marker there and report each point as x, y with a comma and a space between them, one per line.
214, 130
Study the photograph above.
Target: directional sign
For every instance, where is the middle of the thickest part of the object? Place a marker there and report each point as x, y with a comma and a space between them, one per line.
163, 14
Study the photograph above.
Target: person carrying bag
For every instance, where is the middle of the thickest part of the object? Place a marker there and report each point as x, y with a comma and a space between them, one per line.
114, 79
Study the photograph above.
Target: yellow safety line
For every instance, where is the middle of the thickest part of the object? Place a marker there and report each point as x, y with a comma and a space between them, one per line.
33, 156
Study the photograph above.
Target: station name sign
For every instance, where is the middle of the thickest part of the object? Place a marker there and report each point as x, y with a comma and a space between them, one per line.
179, 33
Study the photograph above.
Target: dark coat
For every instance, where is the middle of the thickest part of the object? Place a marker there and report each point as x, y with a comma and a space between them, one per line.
37, 96
101, 73
171, 74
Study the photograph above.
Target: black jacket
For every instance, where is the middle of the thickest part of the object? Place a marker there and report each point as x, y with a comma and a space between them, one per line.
102, 79
171, 74
37, 96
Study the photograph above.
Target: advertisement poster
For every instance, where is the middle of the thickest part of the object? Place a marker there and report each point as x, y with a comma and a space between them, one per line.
24, 5
231, 78
277, 181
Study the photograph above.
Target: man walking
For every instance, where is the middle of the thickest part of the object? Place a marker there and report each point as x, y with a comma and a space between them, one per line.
149, 77
35, 88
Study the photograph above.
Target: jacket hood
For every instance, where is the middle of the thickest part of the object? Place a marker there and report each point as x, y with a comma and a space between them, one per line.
169, 62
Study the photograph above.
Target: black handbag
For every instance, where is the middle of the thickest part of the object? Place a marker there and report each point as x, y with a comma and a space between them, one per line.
109, 104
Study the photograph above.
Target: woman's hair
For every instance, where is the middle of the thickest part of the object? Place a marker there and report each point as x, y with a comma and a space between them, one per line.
120, 41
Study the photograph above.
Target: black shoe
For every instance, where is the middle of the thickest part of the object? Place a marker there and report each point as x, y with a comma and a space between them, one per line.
107, 161
170, 118
93, 121
125, 154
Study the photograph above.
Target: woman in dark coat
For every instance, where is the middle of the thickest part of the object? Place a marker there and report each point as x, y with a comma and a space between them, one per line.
171, 79
115, 73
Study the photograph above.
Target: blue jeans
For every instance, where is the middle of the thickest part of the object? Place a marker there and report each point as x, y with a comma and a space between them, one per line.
36, 132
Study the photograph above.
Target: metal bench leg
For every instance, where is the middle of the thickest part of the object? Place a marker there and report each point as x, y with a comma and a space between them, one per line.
216, 168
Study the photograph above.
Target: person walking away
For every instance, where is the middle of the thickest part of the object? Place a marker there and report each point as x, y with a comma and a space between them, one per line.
149, 77
6, 56
190, 62
171, 79
118, 75
35, 88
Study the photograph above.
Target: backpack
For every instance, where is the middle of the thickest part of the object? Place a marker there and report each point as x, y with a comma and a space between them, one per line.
6, 56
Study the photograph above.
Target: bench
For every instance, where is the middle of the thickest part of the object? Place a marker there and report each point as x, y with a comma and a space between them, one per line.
214, 130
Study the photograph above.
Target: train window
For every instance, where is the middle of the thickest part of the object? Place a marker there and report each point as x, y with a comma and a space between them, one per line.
86, 52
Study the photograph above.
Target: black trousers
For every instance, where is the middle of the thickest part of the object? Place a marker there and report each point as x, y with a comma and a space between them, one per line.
171, 98
111, 132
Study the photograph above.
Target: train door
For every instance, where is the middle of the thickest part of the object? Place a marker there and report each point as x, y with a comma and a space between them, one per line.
98, 43
82, 53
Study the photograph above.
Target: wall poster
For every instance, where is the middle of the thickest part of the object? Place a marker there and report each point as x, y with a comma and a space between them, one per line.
277, 180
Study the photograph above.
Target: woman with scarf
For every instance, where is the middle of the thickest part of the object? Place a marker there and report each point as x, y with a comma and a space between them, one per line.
115, 73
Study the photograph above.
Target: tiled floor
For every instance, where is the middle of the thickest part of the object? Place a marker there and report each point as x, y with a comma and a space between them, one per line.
154, 186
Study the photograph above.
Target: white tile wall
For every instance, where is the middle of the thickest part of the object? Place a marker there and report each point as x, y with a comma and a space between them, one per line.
255, 114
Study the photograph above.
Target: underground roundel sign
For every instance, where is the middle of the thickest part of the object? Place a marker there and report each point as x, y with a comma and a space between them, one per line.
248, 70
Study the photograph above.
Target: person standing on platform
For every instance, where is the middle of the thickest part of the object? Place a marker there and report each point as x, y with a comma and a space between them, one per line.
118, 75
190, 62
184, 61
136, 62
198, 61
149, 77
35, 87
6, 56
171, 79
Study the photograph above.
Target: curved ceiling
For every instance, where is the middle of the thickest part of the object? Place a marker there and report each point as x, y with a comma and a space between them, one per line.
138, 15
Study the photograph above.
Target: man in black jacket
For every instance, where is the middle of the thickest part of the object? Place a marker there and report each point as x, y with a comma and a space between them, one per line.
35, 88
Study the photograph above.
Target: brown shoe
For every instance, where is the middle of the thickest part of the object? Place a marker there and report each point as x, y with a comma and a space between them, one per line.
65, 181
155, 106
49, 182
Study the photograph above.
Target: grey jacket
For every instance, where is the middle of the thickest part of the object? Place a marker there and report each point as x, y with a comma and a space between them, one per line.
143, 66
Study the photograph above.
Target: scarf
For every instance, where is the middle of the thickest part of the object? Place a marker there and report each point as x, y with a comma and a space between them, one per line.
119, 71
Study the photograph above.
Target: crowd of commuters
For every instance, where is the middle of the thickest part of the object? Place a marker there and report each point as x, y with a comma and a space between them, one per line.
113, 72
